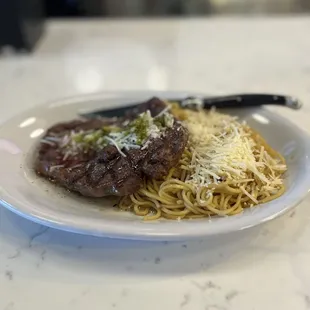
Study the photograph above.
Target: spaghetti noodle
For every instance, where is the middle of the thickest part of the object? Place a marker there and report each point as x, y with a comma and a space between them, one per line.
225, 168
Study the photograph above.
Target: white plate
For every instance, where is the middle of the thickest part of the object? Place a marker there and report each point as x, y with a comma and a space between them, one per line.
36, 199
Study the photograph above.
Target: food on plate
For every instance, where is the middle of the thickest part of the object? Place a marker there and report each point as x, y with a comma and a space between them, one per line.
225, 168
165, 161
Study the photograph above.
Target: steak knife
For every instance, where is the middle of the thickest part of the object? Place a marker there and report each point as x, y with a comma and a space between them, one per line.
219, 102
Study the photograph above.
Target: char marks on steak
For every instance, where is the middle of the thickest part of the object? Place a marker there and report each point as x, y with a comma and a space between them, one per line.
103, 172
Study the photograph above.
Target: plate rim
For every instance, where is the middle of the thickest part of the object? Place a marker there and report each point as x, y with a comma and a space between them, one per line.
144, 234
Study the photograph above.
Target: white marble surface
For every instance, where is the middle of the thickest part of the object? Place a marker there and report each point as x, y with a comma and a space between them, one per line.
263, 268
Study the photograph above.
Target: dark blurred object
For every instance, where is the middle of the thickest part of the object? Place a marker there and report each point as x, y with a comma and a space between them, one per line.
133, 8
130, 8
166, 8
63, 8
21, 23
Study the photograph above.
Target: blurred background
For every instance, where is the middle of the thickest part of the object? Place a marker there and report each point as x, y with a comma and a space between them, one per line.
128, 8
21, 21
59, 48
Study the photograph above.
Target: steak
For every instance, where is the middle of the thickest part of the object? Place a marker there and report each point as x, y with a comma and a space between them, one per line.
108, 171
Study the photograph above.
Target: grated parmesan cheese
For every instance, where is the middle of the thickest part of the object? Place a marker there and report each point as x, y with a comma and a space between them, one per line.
129, 139
223, 149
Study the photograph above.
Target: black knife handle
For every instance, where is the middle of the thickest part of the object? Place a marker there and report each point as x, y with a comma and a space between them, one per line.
244, 100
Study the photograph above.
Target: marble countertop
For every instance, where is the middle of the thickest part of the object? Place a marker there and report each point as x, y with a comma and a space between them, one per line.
262, 268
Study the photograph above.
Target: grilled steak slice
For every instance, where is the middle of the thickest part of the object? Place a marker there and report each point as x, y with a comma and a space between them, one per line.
101, 172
